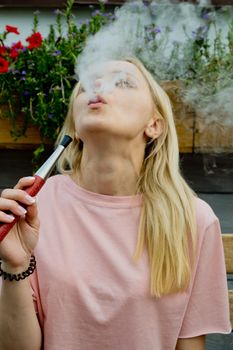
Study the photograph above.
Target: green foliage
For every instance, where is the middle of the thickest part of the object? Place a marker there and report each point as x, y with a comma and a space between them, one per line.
211, 65
39, 78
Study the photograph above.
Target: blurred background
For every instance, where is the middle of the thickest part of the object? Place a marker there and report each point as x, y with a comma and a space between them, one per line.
208, 170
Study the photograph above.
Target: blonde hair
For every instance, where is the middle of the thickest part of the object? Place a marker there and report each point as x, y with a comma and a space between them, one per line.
167, 224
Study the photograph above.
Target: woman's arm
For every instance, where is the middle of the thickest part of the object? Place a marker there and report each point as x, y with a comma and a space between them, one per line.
19, 326
196, 343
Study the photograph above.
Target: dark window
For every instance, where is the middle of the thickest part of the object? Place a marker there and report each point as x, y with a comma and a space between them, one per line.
62, 3
51, 3
222, 2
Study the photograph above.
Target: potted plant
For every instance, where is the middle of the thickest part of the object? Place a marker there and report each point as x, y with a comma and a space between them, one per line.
36, 79
196, 71
211, 78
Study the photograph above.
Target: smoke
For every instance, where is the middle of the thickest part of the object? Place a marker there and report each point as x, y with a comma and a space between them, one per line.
149, 31
117, 40
218, 106
133, 32
164, 36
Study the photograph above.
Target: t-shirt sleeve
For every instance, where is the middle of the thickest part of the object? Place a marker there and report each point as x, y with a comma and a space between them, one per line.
208, 306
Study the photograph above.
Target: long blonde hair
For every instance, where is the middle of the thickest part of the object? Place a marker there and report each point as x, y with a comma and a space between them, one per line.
167, 224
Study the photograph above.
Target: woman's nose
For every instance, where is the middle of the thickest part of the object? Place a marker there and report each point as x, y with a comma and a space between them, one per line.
97, 83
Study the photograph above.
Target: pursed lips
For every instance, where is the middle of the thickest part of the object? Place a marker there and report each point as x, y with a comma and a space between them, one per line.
98, 100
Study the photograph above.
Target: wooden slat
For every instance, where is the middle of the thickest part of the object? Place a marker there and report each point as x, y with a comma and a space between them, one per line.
228, 251
29, 141
194, 133
215, 136
231, 305
183, 114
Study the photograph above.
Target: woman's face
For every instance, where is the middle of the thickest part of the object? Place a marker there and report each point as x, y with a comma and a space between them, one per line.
115, 101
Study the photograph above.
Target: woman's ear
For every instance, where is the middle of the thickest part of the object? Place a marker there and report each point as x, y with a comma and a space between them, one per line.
79, 141
155, 127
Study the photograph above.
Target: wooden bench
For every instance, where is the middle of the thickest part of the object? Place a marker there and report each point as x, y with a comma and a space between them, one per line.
228, 251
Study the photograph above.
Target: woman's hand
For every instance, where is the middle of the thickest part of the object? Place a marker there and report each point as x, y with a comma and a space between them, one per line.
16, 248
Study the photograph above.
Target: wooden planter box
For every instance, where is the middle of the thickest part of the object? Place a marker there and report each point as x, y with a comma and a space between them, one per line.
30, 141
193, 134
213, 137
183, 114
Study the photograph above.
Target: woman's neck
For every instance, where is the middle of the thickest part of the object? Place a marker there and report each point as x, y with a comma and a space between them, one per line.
109, 175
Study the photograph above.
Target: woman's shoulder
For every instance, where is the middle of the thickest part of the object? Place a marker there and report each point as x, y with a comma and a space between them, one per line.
205, 215
56, 179
52, 184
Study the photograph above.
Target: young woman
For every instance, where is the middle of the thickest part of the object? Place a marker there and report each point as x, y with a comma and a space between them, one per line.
128, 258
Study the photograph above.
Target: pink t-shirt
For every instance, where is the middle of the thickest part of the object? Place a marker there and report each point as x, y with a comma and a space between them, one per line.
91, 295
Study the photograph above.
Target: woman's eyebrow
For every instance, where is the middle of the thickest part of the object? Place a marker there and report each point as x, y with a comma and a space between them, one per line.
126, 72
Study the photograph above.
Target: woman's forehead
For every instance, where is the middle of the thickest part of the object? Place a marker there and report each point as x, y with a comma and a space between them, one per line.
117, 67
121, 65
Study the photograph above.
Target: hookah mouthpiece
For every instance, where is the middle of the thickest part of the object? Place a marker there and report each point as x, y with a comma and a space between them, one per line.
40, 176
66, 141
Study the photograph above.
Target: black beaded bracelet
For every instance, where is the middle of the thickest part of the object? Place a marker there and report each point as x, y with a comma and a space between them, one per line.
19, 276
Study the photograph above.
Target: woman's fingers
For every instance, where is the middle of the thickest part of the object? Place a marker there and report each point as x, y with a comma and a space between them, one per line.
8, 205
17, 195
23, 237
13, 201
7, 218
25, 182
32, 215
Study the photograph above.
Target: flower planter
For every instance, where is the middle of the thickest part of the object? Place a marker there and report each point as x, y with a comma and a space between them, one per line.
213, 137
184, 116
195, 132
31, 140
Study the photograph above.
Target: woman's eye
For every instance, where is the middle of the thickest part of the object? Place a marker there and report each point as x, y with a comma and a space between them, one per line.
81, 89
123, 83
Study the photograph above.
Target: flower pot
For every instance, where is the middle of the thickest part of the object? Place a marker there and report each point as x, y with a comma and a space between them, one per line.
31, 140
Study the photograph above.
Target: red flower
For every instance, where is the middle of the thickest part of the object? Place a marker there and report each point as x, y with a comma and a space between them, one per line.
15, 48
14, 53
2, 50
4, 65
11, 29
17, 45
34, 40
